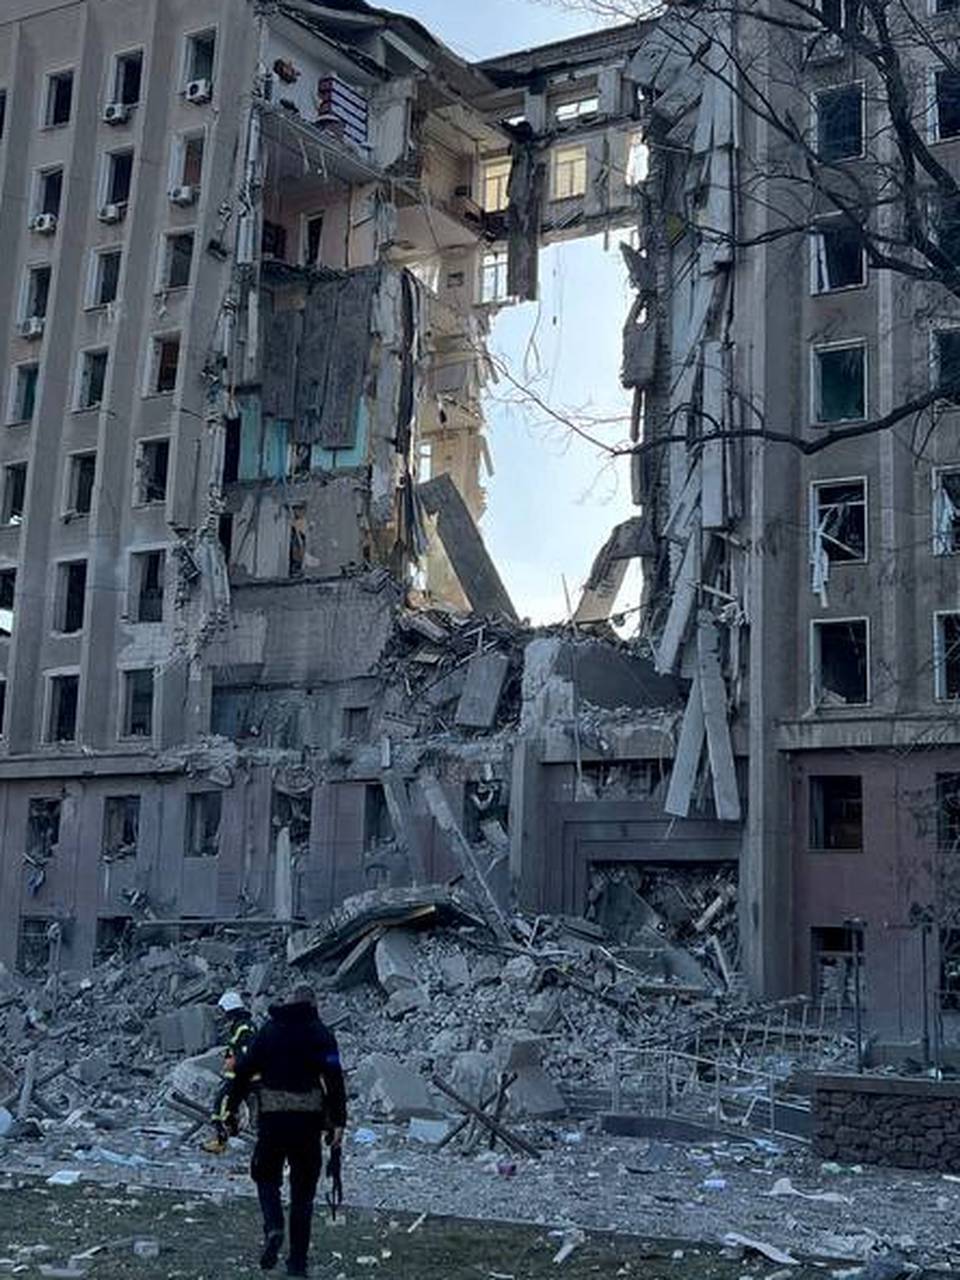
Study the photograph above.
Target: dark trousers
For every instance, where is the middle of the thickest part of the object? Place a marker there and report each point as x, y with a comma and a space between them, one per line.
293, 1138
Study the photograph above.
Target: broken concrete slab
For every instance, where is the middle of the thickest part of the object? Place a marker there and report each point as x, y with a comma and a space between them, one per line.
395, 1090
407, 1000
474, 1075
475, 570
93, 1069
395, 961
535, 1096
454, 970
486, 676
198, 1028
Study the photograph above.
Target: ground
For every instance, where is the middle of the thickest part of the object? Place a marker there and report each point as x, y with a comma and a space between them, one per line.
211, 1238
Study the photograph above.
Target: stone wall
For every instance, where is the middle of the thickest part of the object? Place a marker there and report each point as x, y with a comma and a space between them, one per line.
913, 1123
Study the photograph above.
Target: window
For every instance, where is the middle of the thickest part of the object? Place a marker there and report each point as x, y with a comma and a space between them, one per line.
119, 177
8, 596
33, 945
581, 109
356, 723
3, 112
121, 827
946, 656
948, 812
313, 237
840, 663
178, 258
949, 992
291, 813
231, 451
62, 712
138, 703
837, 954
49, 191
3, 705
203, 824
638, 159
839, 383
377, 826
166, 358
24, 401
37, 294
147, 574
93, 376
201, 49
298, 459
225, 535
59, 99
945, 6
836, 812
838, 257
946, 511
14, 492
569, 172
81, 473
273, 241
493, 276
189, 170
70, 596
106, 277
152, 464
298, 541
127, 74
946, 104
43, 828
840, 123
946, 226
494, 182
838, 526
946, 361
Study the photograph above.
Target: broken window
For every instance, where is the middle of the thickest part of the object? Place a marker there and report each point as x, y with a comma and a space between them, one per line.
225, 535
152, 465
838, 526
494, 271
25, 392
8, 596
949, 940
569, 172
43, 828
946, 511
946, 226
494, 182
946, 105
81, 473
147, 580
112, 935
121, 827
106, 277
313, 238
298, 541
127, 73
203, 824
119, 178
93, 377
166, 361
231, 451
178, 260
840, 390
59, 99
49, 191
946, 357
62, 712
33, 946
638, 159
579, 109
188, 168
3, 705
38, 293
273, 241
71, 596
292, 812
836, 953
14, 492
948, 812
946, 656
138, 703
356, 723
377, 826
838, 259
840, 663
840, 123
201, 50
836, 812
3, 112
298, 459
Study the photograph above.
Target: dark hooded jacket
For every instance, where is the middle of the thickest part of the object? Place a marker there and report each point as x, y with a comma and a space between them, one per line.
297, 1061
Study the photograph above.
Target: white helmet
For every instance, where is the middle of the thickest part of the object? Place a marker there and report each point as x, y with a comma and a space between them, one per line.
230, 1001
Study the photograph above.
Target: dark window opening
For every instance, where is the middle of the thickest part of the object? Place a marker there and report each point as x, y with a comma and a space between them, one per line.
72, 595
948, 812
948, 363
59, 98
179, 261
231, 450
298, 541
203, 824
120, 177
43, 828
51, 189
314, 238
299, 459
948, 103
840, 123
38, 292
201, 50
25, 392
153, 465
838, 256
14, 492
483, 801
377, 827
840, 517
841, 384
273, 241
93, 379
947, 227
83, 470
138, 703
225, 535
8, 596
126, 83
841, 662
108, 278
121, 827
33, 946
192, 172
836, 812
149, 569
949, 969
168, 360
3, 112
3, 705
64, 695
836, 953
948, 655
293, 813
356, 723
113, 935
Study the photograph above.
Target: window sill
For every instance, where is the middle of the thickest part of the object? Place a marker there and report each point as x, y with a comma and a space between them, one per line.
53, 128
837, 422
20, 422
155, 504
843, 288
819, 852
159, 395
66, 635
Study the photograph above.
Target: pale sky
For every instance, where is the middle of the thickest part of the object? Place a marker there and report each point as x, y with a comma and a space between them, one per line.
554, 498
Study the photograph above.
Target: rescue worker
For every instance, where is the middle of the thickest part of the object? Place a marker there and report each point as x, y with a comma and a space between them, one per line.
302, 1101
239, 1039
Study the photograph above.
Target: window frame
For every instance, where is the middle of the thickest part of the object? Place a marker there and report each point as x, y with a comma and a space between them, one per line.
25, 312
178, 156
815, 663
555, 154
126, 673
191, 802
138, 455
134, 580
939, 657
933, 114
157, 341
61, 570
811, 846
502, 182
14, 416
107, 173
69, 512
164, 261
49, 677
816, 239
49, 80
844, 344
936, 328
114, 97
40, 178
814, 511
94, 278
86, 356
11, 571
189, 37
822, 90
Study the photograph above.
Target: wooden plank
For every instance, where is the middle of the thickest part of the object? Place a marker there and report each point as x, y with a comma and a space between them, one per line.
683, 776
713, 691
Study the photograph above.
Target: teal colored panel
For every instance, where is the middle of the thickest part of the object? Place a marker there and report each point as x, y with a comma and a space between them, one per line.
333, 459
275, 435
250, 429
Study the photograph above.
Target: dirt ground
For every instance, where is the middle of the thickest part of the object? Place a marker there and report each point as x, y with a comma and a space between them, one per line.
43, 1229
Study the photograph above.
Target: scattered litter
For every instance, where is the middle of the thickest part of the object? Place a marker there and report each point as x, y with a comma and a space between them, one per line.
416, 1224
784, 1187
572, 1239
64, 1178
768, 1251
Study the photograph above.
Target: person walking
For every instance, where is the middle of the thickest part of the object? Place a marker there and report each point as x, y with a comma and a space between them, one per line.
239, 1040
302, 1102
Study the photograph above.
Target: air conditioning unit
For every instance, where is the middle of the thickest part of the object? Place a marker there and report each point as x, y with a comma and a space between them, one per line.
183, 195
32, 327
198, 91
116, 113
112, 212
44, 223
